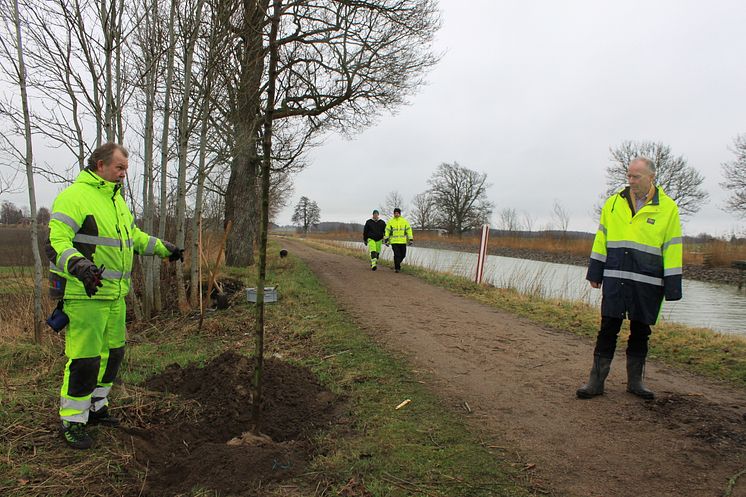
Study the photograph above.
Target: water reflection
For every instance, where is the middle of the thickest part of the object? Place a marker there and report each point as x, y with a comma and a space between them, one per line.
716, 306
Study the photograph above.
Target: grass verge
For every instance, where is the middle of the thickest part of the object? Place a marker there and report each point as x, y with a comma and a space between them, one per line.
698, 350
421, 449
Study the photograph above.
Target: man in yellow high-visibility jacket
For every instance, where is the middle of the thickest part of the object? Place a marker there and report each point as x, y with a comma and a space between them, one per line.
398, 235
637, 258
92, 242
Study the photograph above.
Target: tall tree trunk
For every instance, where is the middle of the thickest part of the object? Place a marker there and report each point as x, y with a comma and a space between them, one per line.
158, 303
29, 160
241, 204
201, 174
147, 189
184, 132
264, 224
107, 25
119, 102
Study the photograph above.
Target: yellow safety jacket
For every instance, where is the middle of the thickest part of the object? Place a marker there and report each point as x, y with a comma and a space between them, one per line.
637, 256
90, 219
398, 231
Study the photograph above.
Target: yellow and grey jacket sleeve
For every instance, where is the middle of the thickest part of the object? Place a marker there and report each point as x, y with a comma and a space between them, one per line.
145, 244
63, 226
598, 252
672, 252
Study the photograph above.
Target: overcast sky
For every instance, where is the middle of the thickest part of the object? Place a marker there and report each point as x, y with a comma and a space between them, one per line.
535, 92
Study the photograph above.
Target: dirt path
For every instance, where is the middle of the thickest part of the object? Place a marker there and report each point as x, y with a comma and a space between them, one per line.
519, 380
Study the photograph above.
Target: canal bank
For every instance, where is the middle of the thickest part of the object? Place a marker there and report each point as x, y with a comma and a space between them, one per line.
716, 306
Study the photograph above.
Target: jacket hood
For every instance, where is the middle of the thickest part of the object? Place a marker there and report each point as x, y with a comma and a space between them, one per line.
92, 179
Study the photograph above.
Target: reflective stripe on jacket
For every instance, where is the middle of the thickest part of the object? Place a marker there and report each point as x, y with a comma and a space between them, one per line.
638, 257
398, 230
90, 219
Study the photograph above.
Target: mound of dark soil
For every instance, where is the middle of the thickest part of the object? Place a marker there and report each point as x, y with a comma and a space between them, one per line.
721, 428
186, 454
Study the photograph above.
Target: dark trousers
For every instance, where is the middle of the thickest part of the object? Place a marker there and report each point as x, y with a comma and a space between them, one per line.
637, 345
400, 252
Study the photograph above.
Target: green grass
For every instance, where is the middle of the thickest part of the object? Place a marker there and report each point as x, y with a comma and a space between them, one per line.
421, 449
698, 350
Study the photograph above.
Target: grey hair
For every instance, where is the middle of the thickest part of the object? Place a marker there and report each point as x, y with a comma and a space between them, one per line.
104, 153
649, 163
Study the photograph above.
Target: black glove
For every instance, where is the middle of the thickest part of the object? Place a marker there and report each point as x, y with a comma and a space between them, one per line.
411, 242
177, 254
386, 241
88, 274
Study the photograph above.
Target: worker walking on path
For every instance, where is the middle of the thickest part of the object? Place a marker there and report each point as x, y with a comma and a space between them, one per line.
398, 235
373, 237
637, 257
92, 242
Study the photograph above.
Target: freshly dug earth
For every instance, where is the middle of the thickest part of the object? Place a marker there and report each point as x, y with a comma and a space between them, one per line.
206, 450
519, 381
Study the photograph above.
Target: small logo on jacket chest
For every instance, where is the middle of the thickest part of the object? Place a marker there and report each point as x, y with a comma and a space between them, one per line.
651, 220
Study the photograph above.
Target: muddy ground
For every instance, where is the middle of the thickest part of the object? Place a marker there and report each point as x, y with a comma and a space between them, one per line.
206, 448
519, 381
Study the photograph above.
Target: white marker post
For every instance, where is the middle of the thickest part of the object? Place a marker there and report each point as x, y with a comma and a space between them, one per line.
482, 253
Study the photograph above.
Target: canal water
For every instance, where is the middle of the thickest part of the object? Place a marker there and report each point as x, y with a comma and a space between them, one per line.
719, 307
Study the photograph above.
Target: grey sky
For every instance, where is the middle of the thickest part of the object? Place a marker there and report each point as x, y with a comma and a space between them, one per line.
535, 92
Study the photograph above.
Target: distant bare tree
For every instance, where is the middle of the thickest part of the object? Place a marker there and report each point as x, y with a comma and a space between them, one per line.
9, 213
680, 181
307, 214
460, 197
528, 221
560, 217
43, 215
423, 211
393, 200
509, 219
734, 173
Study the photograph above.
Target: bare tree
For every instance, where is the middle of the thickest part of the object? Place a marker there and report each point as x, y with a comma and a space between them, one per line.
27, 156
8, 182
560, 217
460, 198
393, 200
43, 215
423, 211
680, 181
189, 30
509, 219
734, 173
528, 221
342, 64
9, 213
307, 214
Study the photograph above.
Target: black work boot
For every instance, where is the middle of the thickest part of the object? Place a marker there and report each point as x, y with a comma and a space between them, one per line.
599, 372
102, 417
76, 435
635, 370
